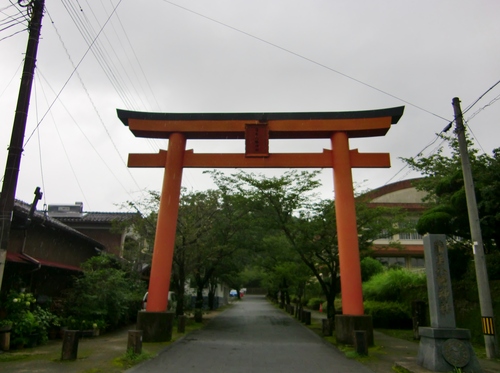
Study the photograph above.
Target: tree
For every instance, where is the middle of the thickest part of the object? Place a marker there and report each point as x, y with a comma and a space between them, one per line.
104, 293
445, 187
138, 246
194, 222
209, 237
289, 205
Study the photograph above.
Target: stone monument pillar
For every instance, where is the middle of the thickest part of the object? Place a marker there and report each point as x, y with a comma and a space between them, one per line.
443, 346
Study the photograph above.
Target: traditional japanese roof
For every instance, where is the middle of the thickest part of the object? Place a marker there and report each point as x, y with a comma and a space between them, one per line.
98, 217
22, 209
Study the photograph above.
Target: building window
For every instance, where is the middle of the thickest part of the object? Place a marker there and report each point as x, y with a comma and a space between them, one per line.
410, 236
417, 262
393, 261
384, 234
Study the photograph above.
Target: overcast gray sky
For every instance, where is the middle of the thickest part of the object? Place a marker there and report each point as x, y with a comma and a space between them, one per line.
238, 56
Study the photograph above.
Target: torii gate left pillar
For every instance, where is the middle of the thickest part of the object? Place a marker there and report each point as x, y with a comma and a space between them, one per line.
257, 129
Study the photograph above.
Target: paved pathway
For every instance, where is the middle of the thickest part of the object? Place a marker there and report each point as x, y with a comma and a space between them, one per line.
251, 337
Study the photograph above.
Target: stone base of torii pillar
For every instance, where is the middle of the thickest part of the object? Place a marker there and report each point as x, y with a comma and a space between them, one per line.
443, 346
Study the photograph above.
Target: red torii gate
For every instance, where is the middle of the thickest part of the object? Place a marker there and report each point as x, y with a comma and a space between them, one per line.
256, 129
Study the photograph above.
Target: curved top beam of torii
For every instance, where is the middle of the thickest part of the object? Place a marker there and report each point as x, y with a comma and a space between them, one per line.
306, 125
257, 129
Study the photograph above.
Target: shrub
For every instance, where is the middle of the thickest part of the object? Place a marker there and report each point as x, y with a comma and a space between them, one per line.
314, 303
395, 285
104, 294
29, 321
370, 267
388, 315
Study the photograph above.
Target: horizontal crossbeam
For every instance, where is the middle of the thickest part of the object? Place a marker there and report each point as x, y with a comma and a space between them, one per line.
277, 160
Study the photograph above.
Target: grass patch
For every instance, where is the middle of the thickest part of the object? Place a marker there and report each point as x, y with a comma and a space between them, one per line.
6, 357
349, 352
129, 359
405, 334
23, 355
399, 369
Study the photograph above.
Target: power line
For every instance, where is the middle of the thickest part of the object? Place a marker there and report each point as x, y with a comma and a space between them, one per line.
480, 97
496, 99
71, 75
306, 59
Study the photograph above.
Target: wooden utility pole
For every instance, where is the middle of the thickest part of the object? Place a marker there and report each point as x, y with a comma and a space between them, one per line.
483, 284
18, 129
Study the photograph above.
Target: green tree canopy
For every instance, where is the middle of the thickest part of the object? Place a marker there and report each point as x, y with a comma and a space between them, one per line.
289, 209
445, 187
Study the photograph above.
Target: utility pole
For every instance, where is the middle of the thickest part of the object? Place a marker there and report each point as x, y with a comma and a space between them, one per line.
18, 129
483, 285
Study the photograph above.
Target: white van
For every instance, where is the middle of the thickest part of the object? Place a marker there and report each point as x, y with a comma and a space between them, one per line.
172, 301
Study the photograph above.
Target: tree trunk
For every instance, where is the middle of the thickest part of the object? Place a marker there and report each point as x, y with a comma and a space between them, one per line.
180, 293
211, 296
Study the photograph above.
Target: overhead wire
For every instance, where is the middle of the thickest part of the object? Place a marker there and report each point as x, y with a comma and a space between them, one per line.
12, 20
158, 143
316, 63
112, 72
478, 111
11, 79
496, 99
40, 157
113, 56
313, 62
132, 49
88, 140
466, 122
480, 97
11, 35
105, 58
98, 115
75, 175
310, 60
71, 75
88, 34
20, 11
305, 58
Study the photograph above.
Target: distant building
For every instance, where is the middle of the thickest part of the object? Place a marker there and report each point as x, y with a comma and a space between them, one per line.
103, 227
401, 194
43, 254
47, 250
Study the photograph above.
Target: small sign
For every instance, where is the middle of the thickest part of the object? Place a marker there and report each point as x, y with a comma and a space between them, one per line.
257, 140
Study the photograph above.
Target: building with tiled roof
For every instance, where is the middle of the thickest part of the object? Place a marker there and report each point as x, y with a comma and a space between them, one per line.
44, 253
104, 227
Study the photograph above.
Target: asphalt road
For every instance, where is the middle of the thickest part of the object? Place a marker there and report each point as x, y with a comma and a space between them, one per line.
251, 337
